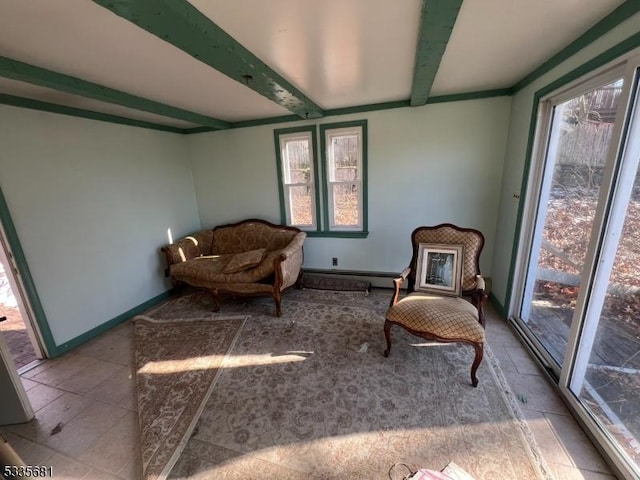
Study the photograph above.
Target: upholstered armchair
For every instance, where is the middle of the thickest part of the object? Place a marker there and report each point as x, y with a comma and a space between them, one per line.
444, 269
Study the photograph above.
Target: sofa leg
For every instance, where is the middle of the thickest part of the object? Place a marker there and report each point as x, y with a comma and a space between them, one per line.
299, 280
216, 300
278, 299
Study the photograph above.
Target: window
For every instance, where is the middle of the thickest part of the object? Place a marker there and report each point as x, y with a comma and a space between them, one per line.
344, 178
343, 167
295, 153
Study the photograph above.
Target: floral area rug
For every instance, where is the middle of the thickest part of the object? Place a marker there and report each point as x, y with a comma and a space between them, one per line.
177, 363
309, 395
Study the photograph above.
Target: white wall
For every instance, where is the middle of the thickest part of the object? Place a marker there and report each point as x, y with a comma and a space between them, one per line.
91, 203
515, 157
427, 165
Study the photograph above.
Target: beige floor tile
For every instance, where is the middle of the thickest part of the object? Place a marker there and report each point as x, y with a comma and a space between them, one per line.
59, 412
42, 395
93, 374
100, 475
65, 468
133, 469
28, 384
67, 367
536, 391
85, 429
30, 452
119, 389
114, 346
116, 448
562, 472
504, 360
550, 446
523, 361
582, 452
45, 365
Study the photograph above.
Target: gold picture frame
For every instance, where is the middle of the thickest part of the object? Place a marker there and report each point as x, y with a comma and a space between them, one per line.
439, 269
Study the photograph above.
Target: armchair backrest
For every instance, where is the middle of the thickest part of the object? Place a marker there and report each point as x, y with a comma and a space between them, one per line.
472, 240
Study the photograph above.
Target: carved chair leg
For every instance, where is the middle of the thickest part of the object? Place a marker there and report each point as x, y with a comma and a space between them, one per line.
387, 335
479, 348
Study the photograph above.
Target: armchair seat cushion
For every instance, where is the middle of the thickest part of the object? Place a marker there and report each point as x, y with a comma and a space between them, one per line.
450, 318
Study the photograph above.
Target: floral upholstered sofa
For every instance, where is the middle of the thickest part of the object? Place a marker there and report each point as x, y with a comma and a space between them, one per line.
251, 257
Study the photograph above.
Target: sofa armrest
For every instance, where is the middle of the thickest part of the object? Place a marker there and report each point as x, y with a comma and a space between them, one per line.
294, 245
288, 263
186, 248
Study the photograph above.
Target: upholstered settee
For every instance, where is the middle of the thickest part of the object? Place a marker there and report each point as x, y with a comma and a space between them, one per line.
251, 257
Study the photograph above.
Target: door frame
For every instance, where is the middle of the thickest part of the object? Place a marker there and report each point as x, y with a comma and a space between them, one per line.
26, 289
600, 238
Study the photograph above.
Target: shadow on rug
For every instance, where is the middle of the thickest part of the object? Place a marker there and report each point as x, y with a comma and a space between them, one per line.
309, 395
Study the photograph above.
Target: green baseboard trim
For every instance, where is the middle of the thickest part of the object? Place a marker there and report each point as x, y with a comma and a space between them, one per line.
108, 325
498, 306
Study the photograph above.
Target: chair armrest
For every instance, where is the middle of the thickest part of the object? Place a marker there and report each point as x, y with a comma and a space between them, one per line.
397, 284
478, 297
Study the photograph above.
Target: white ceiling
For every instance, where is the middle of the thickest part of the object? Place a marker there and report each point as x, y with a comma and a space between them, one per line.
337, 53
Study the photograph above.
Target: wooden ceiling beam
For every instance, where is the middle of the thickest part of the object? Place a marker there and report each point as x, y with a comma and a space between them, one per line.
24, 72
436, 23
182, 25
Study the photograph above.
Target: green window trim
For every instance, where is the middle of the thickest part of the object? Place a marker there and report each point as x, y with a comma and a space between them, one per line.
321, 211
277, 134
344, 232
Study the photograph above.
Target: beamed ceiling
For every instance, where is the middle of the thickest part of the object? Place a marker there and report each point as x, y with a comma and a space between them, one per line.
204, 65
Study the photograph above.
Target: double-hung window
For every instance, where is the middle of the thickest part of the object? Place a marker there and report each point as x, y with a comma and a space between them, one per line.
343, 175
295, 152
343, 167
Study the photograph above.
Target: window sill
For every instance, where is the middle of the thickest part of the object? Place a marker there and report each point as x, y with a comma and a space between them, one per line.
336, 234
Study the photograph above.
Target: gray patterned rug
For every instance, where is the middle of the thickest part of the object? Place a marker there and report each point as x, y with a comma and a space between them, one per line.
309, 395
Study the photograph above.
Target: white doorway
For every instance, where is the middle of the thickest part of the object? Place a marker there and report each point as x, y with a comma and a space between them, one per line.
17, 326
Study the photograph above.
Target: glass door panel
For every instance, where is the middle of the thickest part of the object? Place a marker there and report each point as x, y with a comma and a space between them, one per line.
605, 376
611, 381
576, 154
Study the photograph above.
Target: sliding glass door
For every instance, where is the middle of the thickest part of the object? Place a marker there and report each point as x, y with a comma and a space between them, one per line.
579, 297
576, 150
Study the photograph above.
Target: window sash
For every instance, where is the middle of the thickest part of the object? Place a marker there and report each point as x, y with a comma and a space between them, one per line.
332, 177
291, 182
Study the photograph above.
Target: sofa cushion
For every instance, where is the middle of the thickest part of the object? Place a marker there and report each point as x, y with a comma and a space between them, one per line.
210, 269
245, 260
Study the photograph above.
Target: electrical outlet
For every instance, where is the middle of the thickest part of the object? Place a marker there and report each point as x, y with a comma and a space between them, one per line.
334, 261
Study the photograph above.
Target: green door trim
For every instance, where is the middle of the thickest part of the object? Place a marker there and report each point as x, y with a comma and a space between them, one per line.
616, 17
183, 26
436, 24
608, 56
49, 344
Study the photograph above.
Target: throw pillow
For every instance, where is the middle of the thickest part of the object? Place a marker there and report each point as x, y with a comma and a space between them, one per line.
245, 260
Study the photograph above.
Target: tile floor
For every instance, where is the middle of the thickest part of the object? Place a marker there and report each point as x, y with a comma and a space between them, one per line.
87, 397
